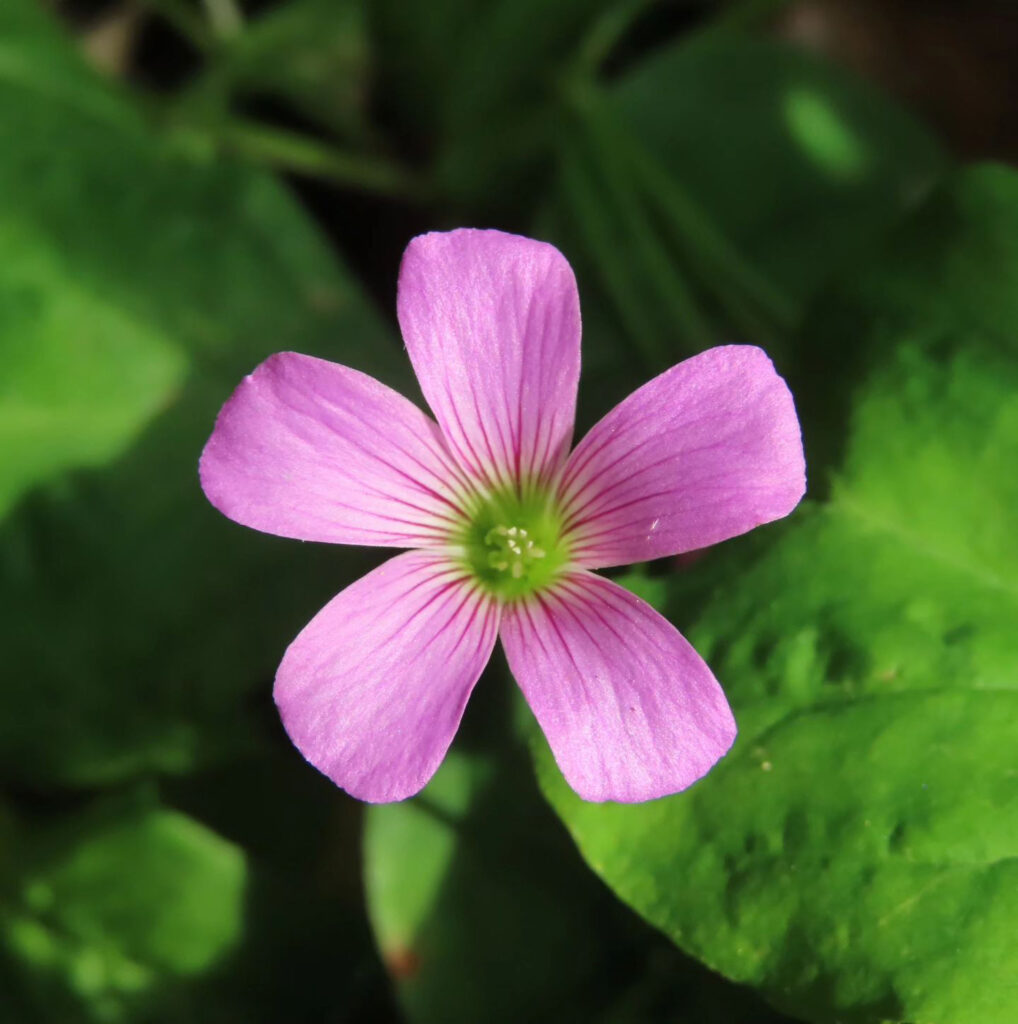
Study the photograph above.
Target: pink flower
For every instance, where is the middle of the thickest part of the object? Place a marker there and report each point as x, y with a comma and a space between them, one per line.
506, 526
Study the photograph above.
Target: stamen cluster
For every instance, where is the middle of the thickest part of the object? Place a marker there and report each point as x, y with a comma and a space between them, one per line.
512, 549
512, 541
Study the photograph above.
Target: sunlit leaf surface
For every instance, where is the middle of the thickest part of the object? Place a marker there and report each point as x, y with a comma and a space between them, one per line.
854, 856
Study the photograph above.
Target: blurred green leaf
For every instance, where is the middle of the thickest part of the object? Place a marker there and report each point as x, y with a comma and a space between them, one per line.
856, 856
799, 163
466, 880
113, 903
739, 172
305, 953
79, 377
142, 283
34, 54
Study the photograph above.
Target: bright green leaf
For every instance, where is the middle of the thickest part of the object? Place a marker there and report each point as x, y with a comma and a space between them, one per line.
855, 857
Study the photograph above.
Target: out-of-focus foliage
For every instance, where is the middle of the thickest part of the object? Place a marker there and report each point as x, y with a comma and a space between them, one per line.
855, 855
140, 278
141, 284
459, 908
165, 855
708, 194
110, 903
312, 54
477, 88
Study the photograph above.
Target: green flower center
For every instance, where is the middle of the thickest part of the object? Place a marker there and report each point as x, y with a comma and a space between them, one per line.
513, 545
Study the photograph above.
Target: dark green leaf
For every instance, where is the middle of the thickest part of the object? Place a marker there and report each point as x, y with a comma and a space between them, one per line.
477, 87
798, 163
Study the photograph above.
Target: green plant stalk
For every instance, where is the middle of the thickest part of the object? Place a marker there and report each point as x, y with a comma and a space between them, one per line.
298, 154
587, 211
660, 269
723, 267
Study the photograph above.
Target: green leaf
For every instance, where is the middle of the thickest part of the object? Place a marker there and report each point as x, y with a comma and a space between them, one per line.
855, 857
81, 376
730, 177
115, 903
140, 283
305, 953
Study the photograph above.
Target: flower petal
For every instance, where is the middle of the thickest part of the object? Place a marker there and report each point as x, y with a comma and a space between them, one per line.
704, 452
629, 708
373, 689
310, 449
492, 325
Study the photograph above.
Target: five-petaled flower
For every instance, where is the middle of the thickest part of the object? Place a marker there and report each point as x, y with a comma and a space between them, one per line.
506, 526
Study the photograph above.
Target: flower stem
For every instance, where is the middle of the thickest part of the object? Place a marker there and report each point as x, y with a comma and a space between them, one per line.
300, 154
721, 257
603, 36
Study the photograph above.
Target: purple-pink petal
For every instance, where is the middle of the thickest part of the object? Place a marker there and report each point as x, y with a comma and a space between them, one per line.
707, 450
630, 710
492, 325
373, 689
310, 449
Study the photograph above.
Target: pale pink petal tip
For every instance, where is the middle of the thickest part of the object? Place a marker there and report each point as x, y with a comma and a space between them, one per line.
492, 325
373, 689
706, 451
310, 449
630, 710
